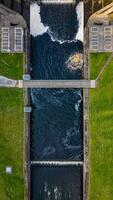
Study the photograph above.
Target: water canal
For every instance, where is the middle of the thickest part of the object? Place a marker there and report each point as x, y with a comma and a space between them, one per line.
56, 119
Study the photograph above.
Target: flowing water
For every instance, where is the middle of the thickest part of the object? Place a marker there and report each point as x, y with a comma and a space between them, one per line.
56, 34
56, 124
56, 119
56, 183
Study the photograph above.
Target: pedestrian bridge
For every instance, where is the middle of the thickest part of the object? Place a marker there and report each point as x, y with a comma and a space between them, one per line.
59, 84
5, 82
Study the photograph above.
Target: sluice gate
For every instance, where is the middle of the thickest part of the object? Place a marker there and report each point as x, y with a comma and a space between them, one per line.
57, 163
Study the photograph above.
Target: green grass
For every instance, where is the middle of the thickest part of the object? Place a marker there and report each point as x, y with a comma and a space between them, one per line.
11, 65
97, 61
101, 136
11, 144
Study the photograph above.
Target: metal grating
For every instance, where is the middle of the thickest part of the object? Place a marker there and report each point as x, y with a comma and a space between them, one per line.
107, 38
5, 44
94, 38
18, 46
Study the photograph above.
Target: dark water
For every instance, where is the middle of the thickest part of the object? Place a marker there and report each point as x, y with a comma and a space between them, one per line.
61, 19
56, 124
48, 57
56, 183
56, 119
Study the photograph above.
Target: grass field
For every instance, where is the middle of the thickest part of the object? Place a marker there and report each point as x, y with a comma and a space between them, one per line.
101, 134
11, 65
11, 144
97, 60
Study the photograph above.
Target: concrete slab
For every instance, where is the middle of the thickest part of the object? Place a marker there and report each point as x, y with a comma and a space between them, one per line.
20, 84
27, 109
93, 84
13, 24
59, 84
26, 77
8, 170
5, 82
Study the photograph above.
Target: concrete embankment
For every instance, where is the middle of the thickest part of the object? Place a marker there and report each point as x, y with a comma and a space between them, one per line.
86, 117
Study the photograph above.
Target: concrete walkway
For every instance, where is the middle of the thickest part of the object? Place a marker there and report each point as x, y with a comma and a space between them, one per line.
59, 84
5, 82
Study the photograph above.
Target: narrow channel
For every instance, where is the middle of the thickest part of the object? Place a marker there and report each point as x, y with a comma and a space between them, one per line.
56, 118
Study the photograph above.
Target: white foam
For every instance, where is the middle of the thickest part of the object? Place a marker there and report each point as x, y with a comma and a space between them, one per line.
80, 16
80, 33
77, 105
55, 39
36, 26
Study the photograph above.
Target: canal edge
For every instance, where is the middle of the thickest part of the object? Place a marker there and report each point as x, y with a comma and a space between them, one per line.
27, 121
86, 116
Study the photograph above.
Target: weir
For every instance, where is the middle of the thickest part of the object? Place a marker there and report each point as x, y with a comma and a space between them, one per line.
57, 163
58, 1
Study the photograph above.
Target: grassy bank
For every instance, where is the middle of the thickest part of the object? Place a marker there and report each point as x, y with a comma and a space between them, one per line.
11, 144
101, 134
97, 61
11, 65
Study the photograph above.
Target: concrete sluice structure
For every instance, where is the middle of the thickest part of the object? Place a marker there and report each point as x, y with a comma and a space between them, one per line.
12, 30
101, 30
